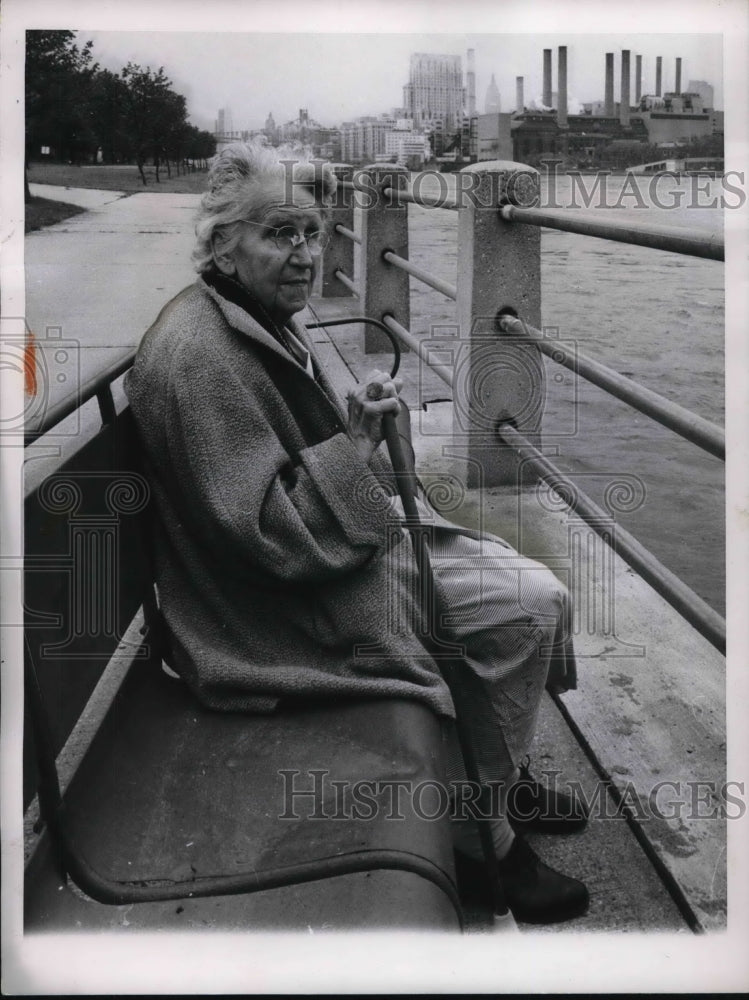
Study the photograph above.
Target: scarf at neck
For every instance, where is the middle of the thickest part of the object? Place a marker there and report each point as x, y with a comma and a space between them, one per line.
233, 291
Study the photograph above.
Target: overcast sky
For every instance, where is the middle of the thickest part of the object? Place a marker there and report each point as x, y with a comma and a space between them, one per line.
341, 76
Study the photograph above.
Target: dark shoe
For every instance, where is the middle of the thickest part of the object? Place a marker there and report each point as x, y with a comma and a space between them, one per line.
535, 893
533, 806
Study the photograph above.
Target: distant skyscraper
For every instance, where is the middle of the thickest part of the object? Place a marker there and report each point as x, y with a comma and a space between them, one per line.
224, 123
435, 89
492, 104
271, 131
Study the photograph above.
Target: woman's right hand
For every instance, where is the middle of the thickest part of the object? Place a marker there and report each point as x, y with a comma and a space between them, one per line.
365, 413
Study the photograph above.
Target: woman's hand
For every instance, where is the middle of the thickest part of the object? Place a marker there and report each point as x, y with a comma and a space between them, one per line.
365, 413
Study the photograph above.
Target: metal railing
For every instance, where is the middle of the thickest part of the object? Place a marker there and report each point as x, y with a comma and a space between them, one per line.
384, 249
690, 426
670, 238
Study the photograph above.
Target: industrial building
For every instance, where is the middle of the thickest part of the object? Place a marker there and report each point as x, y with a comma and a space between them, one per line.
608, 128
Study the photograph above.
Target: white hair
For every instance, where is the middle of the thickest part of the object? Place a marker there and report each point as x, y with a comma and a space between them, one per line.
239, 177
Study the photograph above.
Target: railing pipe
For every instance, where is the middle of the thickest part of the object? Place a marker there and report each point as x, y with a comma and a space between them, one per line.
428, 201
339, 253
384, 226
347, 282
689, 605
694, 428
498, 265
669, 238
416, 345
418, 272
348, 233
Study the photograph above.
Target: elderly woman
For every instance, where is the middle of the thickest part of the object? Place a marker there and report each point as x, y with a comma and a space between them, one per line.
280, 572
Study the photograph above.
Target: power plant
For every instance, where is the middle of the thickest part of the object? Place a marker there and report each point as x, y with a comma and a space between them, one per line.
581, 138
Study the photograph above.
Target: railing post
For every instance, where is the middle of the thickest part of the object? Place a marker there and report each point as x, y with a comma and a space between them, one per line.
339, 253
384, 226
497, 377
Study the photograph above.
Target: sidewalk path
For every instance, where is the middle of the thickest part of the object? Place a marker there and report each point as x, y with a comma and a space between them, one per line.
96, 282
85, 197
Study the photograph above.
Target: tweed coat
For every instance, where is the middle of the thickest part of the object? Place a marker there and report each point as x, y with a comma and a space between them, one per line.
280, 568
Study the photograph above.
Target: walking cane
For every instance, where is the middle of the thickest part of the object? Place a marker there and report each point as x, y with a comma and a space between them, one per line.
448, 656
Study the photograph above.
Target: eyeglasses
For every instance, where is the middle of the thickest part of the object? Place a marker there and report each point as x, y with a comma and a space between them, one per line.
288, 239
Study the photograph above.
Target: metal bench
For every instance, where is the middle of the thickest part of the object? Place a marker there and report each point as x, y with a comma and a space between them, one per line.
179, 816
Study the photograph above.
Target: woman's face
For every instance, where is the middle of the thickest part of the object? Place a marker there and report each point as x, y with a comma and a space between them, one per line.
280, 279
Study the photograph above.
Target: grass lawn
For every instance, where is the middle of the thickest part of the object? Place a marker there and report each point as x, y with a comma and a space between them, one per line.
40, 212
115, 178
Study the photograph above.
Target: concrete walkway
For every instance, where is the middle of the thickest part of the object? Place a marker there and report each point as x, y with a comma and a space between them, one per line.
96, 282
84, 197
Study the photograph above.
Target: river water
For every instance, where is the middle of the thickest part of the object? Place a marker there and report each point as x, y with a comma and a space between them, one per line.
654, 316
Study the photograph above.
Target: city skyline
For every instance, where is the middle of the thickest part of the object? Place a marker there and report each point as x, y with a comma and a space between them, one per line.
270, 71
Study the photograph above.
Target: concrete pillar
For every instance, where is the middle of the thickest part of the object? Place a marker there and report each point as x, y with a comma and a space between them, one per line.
677, 85
624, 99
562, 87
384, 226
496, 376
658, 75
547, 78
638, 79
608, 101
339, 253
519, 98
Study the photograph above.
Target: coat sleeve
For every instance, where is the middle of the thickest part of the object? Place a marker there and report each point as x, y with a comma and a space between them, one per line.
306, 517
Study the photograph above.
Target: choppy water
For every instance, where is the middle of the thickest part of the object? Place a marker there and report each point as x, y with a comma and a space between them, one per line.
657, 317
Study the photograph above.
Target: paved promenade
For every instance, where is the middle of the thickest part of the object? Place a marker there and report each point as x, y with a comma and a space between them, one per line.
97, 281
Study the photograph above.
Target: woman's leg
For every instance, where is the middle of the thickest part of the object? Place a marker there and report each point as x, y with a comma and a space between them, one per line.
511, 615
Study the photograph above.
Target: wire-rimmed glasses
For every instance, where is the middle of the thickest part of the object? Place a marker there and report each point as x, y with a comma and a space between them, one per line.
288, 239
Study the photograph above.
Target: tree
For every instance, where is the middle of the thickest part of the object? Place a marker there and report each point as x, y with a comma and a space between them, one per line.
58, 78
201, 145
154, 113
107, 112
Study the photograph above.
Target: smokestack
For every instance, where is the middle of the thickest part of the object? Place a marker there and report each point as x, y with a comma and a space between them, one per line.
677, 88
547, 78
562, 87
638, 79
471, 84
519, 101
624, 94
608, 103
658, 75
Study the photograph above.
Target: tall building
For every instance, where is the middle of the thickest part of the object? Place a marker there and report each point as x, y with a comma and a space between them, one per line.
435, 90
270, 129
364, 139
224, 123
492, 104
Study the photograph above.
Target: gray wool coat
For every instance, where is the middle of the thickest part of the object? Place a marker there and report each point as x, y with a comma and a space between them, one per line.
280, 568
